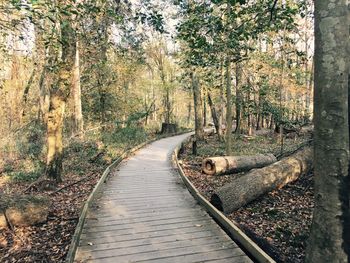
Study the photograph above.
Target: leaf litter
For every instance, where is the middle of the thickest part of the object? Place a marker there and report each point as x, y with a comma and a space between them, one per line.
279, 222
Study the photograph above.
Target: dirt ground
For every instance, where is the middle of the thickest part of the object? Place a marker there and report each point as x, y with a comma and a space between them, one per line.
279, 221
48, 242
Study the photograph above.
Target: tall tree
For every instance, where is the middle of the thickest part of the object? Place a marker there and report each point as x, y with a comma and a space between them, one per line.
330, 236
198, 107
78, 122
59, 91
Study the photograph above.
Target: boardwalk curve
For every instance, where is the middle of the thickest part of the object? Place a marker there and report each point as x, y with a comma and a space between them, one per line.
145, 214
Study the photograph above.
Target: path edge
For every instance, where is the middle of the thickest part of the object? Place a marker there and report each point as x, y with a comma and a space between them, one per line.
79, 228
236, 233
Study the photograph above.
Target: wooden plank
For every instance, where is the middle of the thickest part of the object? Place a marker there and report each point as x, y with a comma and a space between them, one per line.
165, 253
142, 199
155, 219
148, 248
241, 259
114, 206
129, 229
141, 215
154, 225
126, 211
155, 240
85, 240
204, 257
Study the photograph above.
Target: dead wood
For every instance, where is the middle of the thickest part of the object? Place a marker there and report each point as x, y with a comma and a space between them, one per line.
233, 164
247, 188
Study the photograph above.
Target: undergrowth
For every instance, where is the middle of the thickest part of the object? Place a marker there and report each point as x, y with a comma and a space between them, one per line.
22, 157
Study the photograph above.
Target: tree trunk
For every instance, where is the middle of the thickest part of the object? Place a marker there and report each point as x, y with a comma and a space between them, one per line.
42, 65
168, 106
235, 164
216, 118
228, 108
272, 122
198, 108
168, 128
250, 186
259, 117
189, 113
78, 123
26, 92
330, 230
54, 137
205, 110
44, 95
59, 94
239, 101
222, 104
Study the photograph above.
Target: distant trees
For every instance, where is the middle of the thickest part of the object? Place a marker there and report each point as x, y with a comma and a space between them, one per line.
245, 39
84, 66
330, 231
160, 59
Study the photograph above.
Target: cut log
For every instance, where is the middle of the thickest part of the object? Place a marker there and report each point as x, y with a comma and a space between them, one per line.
247, 188
235, 164
24, 210
169, 128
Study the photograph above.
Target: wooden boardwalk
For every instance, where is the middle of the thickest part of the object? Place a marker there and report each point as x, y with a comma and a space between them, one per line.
145, 214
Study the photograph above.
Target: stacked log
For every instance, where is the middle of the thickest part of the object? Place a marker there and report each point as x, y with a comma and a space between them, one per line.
235, 164
247, 188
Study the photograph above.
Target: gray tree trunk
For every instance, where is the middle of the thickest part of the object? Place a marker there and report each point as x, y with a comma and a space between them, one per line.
222, 103
216, 118
198, 108
329, 241
239, 100
228, 108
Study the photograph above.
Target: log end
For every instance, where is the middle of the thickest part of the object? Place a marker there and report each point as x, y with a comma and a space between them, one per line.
216, 201
208, 166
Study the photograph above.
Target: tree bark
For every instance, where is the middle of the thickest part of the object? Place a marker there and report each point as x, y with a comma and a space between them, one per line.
250, 186
222, 103
235, 164
216, 118
78, 123
205, 109
55, 138
228, 108
239, 100
42, 65
198, 108
59, 93
330, 230
189, 113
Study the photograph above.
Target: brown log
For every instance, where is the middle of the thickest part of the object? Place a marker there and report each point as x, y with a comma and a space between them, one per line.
247, 188
235, 164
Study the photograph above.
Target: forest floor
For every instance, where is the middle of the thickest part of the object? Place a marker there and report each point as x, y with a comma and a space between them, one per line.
279, 221
84, 162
